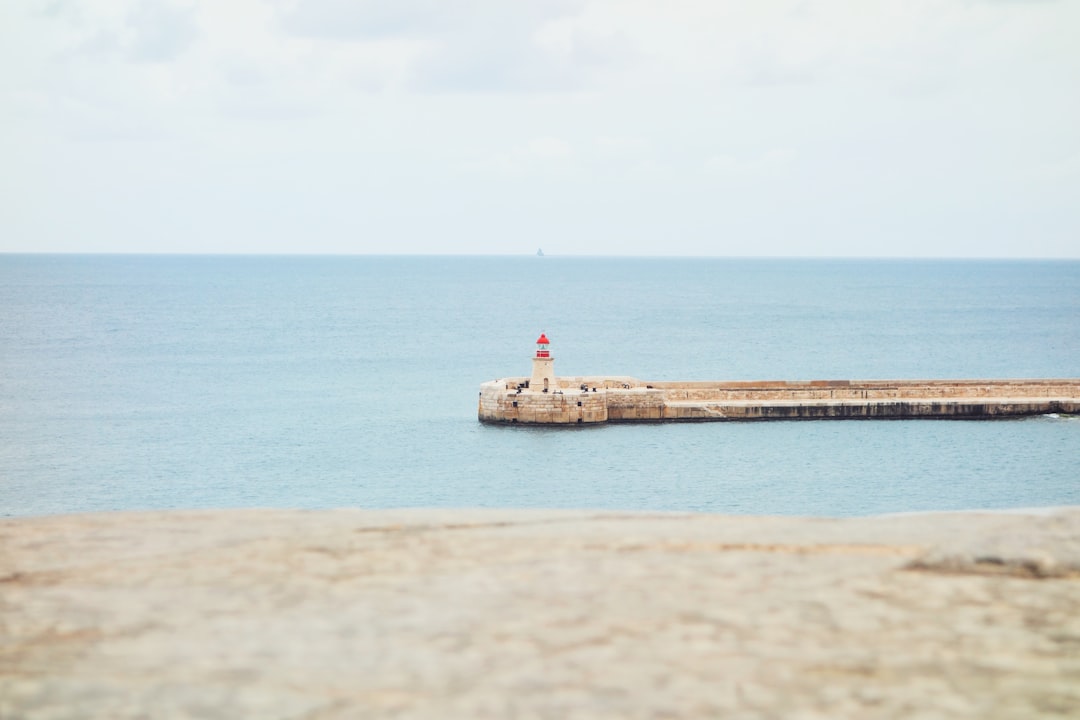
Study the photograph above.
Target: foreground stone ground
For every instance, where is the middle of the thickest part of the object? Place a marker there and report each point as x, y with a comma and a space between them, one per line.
545, 614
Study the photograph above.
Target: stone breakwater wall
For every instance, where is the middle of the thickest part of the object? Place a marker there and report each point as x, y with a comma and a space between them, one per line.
594, 399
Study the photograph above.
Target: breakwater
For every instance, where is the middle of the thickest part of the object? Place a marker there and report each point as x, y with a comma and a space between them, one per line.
598, 399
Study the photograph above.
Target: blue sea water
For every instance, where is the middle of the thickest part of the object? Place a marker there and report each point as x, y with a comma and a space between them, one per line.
152, 382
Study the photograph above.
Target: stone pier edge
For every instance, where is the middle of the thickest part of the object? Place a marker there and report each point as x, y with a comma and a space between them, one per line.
590, 400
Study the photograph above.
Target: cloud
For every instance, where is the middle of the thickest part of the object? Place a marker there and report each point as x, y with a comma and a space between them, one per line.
621, 145
628, 113
367, 19
472, 46
541, 155
160, 31
519, 63
147, 31
500, 66
767, 68
547, 148
768, 164
371, 19
56, 8
102, 44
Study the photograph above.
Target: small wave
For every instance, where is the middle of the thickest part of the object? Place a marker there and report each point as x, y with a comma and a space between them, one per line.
1063, 417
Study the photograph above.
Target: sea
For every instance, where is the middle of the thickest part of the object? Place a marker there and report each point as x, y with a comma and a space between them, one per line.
138, 382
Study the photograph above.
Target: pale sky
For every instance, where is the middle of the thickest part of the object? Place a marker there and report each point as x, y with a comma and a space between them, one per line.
931, 128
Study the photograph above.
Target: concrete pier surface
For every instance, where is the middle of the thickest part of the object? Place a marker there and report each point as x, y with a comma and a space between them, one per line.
539, 614
600, 399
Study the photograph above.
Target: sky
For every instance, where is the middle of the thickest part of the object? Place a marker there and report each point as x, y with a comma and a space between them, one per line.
837, 128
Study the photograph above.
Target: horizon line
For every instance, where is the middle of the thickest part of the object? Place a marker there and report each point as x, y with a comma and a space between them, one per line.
545, 256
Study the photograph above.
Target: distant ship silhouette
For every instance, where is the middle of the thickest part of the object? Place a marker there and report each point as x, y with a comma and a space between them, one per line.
539, 252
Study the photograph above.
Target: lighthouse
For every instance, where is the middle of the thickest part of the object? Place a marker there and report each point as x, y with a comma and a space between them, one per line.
543, 373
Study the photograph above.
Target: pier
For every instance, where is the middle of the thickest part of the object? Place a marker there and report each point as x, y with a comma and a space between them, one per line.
545, 399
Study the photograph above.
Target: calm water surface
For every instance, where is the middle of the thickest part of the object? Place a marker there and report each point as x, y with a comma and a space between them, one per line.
132, 382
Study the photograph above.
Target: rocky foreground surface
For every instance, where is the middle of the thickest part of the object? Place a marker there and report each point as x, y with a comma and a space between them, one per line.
538, 614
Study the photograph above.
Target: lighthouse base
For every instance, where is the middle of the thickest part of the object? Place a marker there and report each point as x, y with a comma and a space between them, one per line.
574, 401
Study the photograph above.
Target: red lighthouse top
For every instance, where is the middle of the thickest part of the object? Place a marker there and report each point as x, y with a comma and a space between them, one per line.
542, 349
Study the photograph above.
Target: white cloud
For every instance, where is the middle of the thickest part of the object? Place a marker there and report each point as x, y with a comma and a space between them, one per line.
366, 19
161, 32
621, 145
688, 119
769, 164
537, 155
547, 148
361, 20
477, 46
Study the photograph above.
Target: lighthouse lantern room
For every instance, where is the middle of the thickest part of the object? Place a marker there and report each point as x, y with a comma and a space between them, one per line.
543, 373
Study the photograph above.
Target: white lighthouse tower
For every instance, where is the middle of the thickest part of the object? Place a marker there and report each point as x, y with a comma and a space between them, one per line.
543, 373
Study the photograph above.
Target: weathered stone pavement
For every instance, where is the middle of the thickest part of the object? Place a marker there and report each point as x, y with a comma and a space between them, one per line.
538, 614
